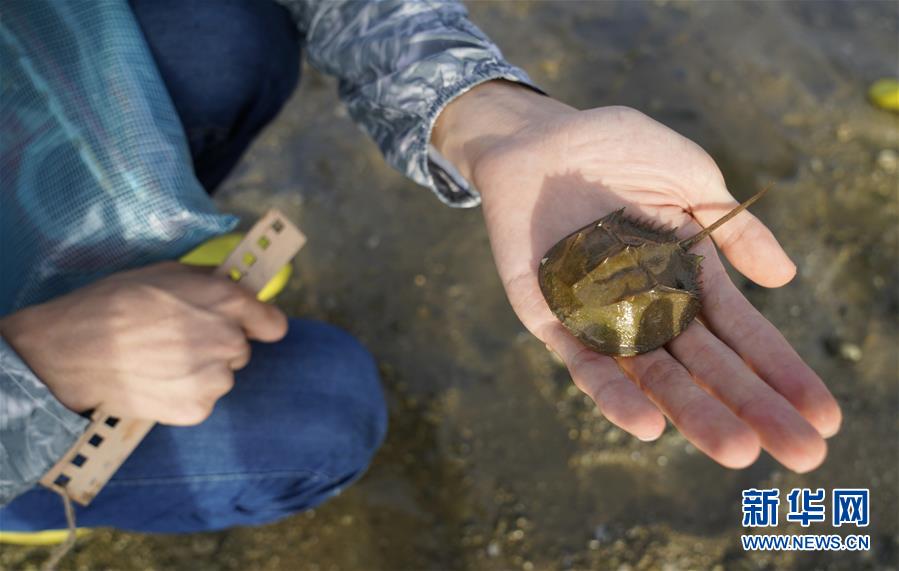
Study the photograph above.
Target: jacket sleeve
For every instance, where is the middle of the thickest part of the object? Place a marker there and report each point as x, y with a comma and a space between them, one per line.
399, 64
95, 177
35, 428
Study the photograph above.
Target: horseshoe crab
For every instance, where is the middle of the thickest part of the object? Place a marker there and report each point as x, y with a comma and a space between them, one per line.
624, 286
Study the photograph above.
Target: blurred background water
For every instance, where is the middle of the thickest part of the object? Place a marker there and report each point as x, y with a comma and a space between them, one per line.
494, 460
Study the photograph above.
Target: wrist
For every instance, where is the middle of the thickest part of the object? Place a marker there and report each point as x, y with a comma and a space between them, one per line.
14, 329
488, 118
25, 331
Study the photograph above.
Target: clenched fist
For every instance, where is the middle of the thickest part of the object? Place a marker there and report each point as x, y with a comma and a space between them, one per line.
160, 343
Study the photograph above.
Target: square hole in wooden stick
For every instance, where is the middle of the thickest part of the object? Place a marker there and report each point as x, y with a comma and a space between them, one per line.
111, 421
79, 460
249, 259
277, 226
61, 480
263, 242
95, 440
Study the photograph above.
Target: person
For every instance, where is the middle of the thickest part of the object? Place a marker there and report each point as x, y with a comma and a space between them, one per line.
246, 440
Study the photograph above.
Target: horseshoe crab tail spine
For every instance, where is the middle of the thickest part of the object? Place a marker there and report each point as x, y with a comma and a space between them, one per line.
693, 240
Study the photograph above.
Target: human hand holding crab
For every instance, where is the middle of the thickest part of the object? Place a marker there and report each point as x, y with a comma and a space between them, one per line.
730, 382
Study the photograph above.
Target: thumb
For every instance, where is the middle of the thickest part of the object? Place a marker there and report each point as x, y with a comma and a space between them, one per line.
746, 242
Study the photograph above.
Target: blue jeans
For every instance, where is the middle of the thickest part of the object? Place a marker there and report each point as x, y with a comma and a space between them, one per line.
229, 66
302, 422
307, 414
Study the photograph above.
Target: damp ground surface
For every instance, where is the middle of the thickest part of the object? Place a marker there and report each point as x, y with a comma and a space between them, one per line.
494, 460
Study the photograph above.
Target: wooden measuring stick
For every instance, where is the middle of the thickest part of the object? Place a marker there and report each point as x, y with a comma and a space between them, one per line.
83, 471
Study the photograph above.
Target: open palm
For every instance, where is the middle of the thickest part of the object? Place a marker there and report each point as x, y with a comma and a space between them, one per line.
730, 383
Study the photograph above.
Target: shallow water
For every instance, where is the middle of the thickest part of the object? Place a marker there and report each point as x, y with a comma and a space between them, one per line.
494, 461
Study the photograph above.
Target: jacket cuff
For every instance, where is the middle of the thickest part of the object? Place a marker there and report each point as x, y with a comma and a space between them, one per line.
429, 168
400, 109
36, 430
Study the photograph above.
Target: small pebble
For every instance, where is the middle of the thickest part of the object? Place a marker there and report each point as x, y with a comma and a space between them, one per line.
455, 290
851, 352
420, 280
888, 160
844, 133
843, 349
494, 549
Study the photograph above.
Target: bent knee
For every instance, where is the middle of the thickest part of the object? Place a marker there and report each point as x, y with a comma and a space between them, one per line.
354, 412
218, 58
334, 359
324, 391
323, 452
270, 499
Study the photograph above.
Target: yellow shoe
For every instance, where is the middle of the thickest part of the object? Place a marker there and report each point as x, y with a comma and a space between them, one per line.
214, 253
48, 537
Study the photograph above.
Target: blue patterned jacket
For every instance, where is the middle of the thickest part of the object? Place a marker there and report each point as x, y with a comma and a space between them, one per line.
95, 173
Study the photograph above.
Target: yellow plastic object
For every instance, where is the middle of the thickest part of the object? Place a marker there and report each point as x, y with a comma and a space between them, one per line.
884, 93
48, 537
215, 251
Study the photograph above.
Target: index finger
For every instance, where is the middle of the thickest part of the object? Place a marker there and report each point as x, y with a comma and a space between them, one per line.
748, 244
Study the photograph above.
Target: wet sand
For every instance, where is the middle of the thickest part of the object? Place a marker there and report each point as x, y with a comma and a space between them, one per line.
494, 460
